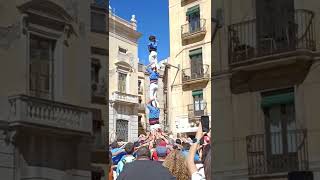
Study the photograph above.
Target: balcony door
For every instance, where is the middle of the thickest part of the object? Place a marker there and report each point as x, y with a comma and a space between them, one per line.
198, 103
275, 25
193, 16
196, 63
41, 67
281, 133
122, 82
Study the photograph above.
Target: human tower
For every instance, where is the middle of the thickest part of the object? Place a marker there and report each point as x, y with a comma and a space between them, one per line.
152, 69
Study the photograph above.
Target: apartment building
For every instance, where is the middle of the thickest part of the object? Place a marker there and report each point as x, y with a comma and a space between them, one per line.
189, 87
123, 78
266, 84
46, 119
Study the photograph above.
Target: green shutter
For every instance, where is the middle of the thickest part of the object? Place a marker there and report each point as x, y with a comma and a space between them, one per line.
269, 101
193, 10
197, 93
195, 52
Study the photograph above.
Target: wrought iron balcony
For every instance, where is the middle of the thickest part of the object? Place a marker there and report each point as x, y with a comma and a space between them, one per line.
247, 44
194, 75
27, 110
120, 97
277, 152
193, 29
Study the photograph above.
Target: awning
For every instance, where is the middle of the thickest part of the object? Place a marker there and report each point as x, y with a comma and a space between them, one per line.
269, 101
193, 10
197, 93
195, 52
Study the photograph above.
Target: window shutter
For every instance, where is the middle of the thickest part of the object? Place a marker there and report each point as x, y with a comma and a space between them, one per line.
193, 10
269, 101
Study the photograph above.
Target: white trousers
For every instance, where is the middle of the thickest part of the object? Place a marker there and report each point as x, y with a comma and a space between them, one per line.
153, 58
155, 127
153, 94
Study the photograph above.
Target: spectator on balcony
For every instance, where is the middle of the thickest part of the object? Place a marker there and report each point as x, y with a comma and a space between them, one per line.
154, 76
154, 113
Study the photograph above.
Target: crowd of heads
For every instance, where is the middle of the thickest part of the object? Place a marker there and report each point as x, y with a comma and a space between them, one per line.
171, 152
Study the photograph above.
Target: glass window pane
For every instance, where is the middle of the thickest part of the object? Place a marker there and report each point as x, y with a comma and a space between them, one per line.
275, 130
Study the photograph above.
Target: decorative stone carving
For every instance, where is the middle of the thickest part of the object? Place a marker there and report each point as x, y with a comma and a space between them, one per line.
9, 34
72, 7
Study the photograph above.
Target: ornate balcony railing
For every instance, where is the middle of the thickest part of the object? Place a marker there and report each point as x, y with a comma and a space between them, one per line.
195, 74
277, 152
36, 111
193, 28
245, 42
124, 98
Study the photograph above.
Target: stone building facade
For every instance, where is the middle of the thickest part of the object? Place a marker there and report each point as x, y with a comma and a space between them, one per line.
265, 93
123, 79
189, 87
46, 114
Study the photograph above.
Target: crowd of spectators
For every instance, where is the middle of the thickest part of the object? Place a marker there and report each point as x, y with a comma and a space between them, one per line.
158, 155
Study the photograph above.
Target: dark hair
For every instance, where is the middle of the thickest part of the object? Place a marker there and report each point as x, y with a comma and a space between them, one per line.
186, 146
158, 141
207, 166
178, 141
205, 151
114, 145
152, 38
143, 152
129, 148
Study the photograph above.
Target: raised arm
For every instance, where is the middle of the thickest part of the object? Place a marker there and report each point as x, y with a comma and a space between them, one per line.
193, 149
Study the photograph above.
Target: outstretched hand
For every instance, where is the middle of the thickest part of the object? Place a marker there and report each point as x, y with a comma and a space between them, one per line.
199, 133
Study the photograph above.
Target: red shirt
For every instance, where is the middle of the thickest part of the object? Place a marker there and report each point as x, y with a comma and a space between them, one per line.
155, 156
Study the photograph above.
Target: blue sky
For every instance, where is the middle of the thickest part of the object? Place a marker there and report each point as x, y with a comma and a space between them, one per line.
152, 17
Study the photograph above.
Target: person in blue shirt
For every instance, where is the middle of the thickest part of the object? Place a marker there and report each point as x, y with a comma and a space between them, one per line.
153, 76
154, 113
128, 158
152, 47
186, 149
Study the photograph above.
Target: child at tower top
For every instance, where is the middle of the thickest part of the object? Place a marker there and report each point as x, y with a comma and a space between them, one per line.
153, 76
152, 47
